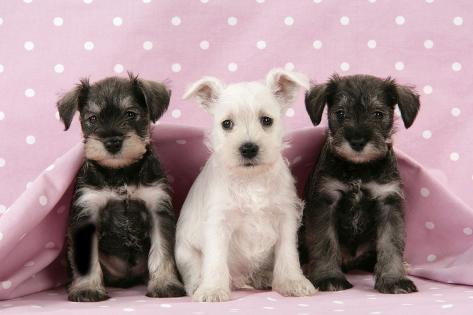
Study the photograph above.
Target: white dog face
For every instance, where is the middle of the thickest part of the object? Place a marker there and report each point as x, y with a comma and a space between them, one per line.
247, 131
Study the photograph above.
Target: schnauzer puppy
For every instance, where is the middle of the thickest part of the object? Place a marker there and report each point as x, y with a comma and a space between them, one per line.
353, 216
238, 225
122, 224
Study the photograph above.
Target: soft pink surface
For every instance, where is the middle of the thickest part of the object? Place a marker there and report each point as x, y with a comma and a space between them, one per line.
426, 43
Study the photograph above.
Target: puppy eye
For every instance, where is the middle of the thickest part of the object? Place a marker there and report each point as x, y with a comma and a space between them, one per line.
378, 115
92, 119
266, 121
130, 115
227, 124
340, 114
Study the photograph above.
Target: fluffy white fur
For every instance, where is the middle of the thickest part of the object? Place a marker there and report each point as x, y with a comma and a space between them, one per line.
238, 225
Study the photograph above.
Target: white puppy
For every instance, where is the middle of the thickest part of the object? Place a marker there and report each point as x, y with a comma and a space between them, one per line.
238, 225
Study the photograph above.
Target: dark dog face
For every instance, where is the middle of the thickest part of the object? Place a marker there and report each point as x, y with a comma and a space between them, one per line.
115, 116
361, 113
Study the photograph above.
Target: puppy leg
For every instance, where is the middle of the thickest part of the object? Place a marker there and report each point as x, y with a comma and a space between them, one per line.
215, 284
163, 279
87, 283
189, 263
389, 269
288, 279
321, 241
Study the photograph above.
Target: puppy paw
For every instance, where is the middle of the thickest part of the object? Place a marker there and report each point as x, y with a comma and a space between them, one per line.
398, 286
172, 289
333, 284
87, 295
203, 294
300, 286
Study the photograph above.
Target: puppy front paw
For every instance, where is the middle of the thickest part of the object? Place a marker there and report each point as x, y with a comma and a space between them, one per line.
332, 284
398, 286
205, 294
87, 295
170, 289
300, 286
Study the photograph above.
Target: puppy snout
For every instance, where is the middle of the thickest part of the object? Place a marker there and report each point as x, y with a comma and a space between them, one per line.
357, 143
113, 144
249, 150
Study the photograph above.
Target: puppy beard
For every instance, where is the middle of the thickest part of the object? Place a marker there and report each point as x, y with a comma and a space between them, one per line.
132, 150
369, 153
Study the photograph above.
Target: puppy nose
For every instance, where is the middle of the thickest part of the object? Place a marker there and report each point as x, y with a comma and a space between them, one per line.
249, 150
357, 144
113, 144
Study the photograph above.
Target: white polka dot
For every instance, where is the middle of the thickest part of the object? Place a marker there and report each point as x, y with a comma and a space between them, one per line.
458, 20
371, 1
29, 264
176, 113
28, 45
6, 284
427, 134
2, 115
399, 66
30, 93
400, 20
338, 302
317, 44
88, 45
467, 231
43, 200
429, 1
58, 21
204, 45
117, 21
424, 192
456, 66
371, 43
2, 162
176, 21
27, 1
232, 67
146, 1
49, 245
181, 141
455, 112
344, 20
290, 112
175, 67
260, 1
447, 306
261, 44
118, 68
431, 258
88, 1
428, 89
289, 66
289, 20
59, 68
165, 305
1, 21
429, 225
204, 1
30, 139
147, 45
428, 44
454, 156
232, 21
128, 309
2, 68
345, 66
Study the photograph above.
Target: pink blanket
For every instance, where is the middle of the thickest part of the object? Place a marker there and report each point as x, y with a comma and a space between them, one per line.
46, 46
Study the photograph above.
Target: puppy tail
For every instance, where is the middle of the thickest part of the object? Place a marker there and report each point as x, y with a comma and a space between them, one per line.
82, 244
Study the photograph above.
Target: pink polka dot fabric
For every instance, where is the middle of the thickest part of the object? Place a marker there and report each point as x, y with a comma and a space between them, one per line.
46, 46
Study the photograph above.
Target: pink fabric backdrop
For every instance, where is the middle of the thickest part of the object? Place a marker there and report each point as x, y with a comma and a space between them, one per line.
46, 46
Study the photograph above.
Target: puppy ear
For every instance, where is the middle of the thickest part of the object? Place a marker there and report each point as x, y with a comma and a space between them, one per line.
285, 84
408, 102
206, 91
68, 104
156, 96
315, 100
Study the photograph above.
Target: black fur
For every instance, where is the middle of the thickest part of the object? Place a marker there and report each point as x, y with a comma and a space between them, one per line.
346, 224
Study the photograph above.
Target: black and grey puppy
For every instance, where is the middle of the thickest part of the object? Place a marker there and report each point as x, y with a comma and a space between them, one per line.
122, 224
353, 217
